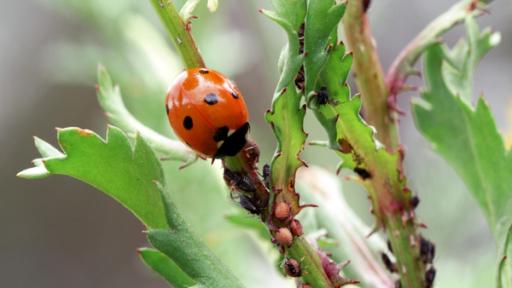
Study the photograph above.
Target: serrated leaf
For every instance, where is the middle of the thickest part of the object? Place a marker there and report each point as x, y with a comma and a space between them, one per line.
188, 8
38, 172
46, 149
461, 61
287, 115
110, 99
193, 257
318, 35
287, 118
166, 268
124, 173
469, 140
289, 14
250, 222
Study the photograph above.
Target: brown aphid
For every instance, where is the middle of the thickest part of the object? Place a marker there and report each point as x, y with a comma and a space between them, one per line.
296, 228
284, 237
345, 146
282, 210
292, 267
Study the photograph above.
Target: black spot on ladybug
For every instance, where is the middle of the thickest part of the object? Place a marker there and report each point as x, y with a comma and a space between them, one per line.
234, 94
204, 71
166, 109
221, 134
187, 122
211, 99
322, 96
363, 173
233, 143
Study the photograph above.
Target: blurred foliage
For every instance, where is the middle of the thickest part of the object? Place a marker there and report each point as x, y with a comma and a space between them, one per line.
467, 137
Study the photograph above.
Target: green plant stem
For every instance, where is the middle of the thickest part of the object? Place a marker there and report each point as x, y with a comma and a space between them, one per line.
386, 189
179, 33
312, 271
403, 65
190, 253
310, 263
369, 74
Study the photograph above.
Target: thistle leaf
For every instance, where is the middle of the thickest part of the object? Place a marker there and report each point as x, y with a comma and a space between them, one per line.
318, 35
166, 268
466, 136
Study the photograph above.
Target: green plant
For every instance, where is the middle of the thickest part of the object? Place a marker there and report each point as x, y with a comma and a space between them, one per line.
314, 67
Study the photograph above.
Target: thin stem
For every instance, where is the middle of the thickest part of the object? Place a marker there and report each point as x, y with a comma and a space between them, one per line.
179, 33
403, 65
387, 189
369, 74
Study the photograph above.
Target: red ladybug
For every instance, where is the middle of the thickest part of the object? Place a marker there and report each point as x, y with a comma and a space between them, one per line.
207, 111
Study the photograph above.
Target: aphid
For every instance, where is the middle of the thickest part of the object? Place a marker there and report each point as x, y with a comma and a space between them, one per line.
430, 275
388, 263
284, 237
249, 204
322, 96
363, 173
207, 111
415, 201
282, 210
296, 228
239, 181
427, 250
266, 175
292, 267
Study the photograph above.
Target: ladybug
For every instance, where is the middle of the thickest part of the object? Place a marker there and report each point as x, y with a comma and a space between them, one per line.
207, 112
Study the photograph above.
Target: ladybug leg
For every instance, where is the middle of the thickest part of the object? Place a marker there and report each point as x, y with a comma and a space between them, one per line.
189, 162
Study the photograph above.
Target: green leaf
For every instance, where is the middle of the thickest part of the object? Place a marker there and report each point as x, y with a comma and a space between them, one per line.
318, 35
461, 61
287, 118
193, 257
110, 99
287, 115
187, 251
468, 138
289, 14
250, 222
166, 268
124, 173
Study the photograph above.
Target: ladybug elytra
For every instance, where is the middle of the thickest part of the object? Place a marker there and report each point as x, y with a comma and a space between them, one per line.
207, 112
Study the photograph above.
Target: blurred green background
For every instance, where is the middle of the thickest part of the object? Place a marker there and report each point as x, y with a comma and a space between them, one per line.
58, 232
